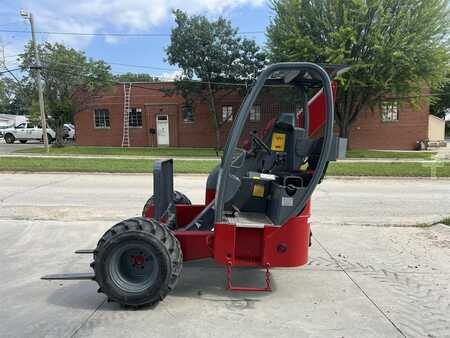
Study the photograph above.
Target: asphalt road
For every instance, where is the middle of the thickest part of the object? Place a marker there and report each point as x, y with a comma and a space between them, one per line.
369, 275
6, 148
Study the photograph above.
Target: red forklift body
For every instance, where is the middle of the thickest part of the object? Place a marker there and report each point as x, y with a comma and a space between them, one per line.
257, 200
282, 246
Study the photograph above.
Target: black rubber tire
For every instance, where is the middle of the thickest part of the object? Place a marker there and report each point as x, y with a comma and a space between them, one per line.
155, 238
9, 138
50, 139
178, 197
23, 141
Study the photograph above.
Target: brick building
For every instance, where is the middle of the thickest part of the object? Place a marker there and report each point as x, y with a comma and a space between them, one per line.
156, 119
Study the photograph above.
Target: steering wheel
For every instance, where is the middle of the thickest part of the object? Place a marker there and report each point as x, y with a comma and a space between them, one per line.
260, 143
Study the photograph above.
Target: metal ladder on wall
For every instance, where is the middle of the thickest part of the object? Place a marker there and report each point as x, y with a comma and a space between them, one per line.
126, 114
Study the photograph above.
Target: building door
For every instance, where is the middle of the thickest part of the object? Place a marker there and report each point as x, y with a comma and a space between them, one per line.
162, 130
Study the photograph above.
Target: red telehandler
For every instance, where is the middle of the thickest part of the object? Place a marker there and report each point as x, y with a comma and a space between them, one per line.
257, 201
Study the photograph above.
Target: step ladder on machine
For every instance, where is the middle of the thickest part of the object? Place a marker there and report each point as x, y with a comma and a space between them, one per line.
126, 114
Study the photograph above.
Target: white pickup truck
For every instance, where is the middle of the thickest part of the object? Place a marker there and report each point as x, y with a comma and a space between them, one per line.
25, 132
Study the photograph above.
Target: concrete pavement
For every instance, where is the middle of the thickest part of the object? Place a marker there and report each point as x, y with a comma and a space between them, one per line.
361, 280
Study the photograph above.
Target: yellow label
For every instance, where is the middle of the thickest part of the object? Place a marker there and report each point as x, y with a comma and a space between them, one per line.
278, 141
258, 190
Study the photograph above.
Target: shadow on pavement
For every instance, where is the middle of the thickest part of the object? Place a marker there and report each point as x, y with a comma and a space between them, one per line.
203, 280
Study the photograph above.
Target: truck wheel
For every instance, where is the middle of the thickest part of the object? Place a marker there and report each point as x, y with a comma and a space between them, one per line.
50, 139
137, 262
178, 197
9, 138
23, 141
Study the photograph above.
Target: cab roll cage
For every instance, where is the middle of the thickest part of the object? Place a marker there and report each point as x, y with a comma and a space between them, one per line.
293, 69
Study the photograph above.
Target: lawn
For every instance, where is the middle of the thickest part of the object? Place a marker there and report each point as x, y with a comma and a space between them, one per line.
364, 153
203, 152
205, 166
387, 169
118, 151
34, 164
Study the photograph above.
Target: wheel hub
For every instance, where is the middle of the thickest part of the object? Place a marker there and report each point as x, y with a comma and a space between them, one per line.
138, 260
134, 267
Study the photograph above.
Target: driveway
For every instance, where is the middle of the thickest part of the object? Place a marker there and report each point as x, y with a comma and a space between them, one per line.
364, 278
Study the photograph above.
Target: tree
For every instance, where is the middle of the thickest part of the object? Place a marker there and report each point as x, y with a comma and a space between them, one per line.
15, 97
66, 74
213, 53
395, 47
4, 98
135, 77
441, 103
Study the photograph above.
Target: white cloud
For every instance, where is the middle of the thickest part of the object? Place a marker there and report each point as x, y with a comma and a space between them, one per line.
170, 76
131, 16
95, 16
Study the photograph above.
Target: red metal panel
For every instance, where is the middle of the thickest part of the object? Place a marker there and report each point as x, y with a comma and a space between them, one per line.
317, 110
185, 213
209, 195
195, 244
287, 246
224, 243
249, 242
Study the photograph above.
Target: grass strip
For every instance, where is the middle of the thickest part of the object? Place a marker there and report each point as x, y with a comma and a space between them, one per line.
35, 164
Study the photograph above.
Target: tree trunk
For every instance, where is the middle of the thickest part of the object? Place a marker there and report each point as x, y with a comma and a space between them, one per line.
59, 142
344, 129
218, 139
212, 108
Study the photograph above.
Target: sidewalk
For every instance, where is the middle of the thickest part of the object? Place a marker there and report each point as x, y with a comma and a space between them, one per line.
443, 153
443, 156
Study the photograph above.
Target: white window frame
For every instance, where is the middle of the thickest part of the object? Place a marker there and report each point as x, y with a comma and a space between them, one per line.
255, 113
183, 111
390, 111
227, 113
134, 111
105, 125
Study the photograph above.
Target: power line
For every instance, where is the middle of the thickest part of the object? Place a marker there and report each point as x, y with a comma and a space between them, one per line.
235, 84
140, 66
9, 70
109, 34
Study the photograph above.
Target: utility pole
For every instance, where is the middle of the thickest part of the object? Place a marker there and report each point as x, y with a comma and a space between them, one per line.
38, 68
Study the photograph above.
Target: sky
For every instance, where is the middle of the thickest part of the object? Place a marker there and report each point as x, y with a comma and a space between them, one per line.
121, 16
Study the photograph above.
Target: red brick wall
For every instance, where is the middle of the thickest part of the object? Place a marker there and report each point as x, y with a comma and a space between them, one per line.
152, 101
370, 132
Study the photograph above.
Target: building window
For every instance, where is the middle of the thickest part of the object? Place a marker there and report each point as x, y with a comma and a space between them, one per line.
135, 117
227, 113
389, 111
255, 113
188, 114
102, 118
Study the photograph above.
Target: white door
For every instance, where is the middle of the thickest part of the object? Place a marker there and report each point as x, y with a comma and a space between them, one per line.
21, 131
36, 133
162, 130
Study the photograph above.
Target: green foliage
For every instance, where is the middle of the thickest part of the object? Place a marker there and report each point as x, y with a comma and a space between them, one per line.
396, 47
441, 104
135, 77
66, 74
4, 98
34, 115
15, 97
214, 53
